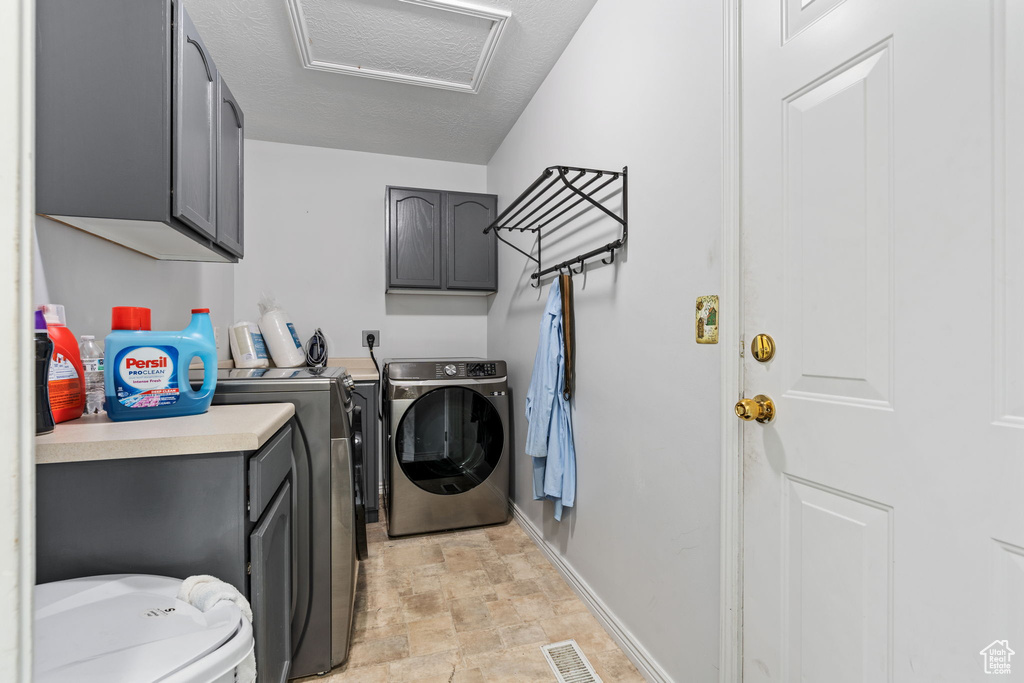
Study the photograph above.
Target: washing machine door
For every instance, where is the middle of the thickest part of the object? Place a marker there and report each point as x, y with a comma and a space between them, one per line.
449, 440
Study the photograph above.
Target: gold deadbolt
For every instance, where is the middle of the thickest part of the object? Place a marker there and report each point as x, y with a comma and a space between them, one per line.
762, 348
760, 408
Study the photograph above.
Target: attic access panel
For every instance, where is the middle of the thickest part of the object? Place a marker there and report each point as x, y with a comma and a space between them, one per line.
444, 44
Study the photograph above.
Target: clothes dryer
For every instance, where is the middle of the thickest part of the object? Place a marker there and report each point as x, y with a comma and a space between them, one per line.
447, 435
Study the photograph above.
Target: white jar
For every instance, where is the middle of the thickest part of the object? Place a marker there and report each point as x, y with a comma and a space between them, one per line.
247, 346
280, 337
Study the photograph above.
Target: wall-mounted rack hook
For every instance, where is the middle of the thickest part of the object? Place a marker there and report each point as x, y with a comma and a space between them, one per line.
557, 191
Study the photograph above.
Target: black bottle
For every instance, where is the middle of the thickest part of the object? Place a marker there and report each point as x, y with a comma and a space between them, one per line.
44, 350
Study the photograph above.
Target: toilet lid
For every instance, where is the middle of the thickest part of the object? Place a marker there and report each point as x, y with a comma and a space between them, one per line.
123, 627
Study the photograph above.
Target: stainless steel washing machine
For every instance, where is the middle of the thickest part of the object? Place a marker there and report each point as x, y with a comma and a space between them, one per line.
446, 425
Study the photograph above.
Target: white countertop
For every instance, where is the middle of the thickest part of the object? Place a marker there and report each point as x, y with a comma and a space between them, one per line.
222, 429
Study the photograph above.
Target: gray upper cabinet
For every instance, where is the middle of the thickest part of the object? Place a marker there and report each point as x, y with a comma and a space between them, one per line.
195, 128
472, 255
435, 242
229, 172
129, 129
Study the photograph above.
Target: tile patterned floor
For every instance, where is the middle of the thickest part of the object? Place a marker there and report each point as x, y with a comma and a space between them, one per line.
467, 606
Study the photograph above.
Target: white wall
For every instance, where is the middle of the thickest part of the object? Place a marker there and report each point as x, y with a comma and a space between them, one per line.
89, 275
314, 222
640, 85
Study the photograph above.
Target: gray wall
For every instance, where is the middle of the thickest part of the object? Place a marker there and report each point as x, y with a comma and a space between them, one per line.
314, 236
89, 275
640, 84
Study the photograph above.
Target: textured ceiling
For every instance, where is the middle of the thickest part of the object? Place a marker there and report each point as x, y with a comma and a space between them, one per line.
254, 47
394, 37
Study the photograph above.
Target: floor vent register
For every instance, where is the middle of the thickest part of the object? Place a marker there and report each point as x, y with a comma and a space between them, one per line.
569, 663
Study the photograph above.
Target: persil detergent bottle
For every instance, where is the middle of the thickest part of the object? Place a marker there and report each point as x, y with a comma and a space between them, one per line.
146, 373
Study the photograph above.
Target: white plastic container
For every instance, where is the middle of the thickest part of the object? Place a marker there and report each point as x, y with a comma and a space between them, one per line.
125, 627
279, 335
248, 348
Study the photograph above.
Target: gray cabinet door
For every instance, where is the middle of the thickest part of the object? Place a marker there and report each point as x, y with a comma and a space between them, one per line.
270, 548
195, 129
414, 238
364, 395
229, 170
472, 261
103, 101
132, 516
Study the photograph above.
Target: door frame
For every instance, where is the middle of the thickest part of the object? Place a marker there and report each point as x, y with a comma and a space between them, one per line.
730, 659
17, 402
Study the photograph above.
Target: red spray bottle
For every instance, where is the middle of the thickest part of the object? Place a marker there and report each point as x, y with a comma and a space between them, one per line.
67, 377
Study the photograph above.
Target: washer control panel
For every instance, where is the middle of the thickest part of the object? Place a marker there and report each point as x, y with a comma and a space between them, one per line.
463, 369
481, 369
449, 370
446, 369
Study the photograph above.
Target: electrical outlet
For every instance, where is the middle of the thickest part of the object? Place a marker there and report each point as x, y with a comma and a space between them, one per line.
376, 337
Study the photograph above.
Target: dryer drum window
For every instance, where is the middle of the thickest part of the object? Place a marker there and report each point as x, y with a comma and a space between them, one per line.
449, 441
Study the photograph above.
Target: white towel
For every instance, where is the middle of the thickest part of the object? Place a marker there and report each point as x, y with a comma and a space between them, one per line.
203, 592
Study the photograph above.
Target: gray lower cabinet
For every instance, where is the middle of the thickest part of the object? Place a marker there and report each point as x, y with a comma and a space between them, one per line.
435, 241
366, 398
224, 514
130, 129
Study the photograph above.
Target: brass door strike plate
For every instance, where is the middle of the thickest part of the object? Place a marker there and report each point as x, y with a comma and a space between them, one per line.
707, 319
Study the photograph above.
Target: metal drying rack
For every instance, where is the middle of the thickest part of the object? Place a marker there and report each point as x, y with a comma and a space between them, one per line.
581, 184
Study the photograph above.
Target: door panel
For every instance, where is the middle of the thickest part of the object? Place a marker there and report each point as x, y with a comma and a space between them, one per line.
195, 117
838, 234
472, 255
270, 547
230, 169
414, 232
1008, 148
799, 14
882, 248
1007, 593
836, 585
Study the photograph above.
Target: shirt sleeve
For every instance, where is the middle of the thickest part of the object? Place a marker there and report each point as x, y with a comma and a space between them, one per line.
543, 386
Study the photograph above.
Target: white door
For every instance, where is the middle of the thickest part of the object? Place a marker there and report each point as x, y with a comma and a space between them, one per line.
883, 249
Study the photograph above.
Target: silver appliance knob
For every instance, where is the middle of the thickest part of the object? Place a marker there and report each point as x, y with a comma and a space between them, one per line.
450, 370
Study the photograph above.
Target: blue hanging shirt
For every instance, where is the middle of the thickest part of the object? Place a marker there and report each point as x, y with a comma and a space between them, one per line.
549, 433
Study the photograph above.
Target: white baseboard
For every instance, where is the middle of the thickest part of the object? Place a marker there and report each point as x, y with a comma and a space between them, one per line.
636, 652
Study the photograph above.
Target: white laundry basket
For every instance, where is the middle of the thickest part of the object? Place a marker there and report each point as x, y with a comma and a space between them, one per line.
132, 628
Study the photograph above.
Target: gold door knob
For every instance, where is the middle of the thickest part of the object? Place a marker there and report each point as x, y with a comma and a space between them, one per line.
760, 408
